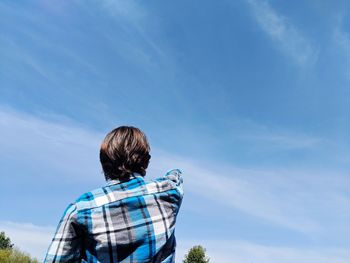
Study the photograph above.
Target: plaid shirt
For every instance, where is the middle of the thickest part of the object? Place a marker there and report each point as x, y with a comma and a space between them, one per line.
131, 221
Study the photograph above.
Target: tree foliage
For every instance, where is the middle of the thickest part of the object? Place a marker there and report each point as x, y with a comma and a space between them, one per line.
8, 254
196, 255
5, 242
15, 256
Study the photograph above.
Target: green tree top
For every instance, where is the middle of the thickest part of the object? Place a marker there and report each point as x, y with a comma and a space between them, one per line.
5, 242
196, 255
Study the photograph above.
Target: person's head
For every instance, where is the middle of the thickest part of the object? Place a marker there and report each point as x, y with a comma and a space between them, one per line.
125, 150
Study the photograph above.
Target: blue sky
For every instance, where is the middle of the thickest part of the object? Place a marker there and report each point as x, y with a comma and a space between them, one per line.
249, 98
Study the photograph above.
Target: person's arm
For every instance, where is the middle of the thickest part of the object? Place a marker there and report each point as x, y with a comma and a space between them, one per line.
175, 176
66, 244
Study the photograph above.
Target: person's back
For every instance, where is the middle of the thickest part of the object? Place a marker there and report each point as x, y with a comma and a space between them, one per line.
129, 219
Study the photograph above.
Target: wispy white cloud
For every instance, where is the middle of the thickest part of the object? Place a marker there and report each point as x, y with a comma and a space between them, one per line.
45, 146
274, 137
341, 39
280, 29
287, 141
283, 197
303, 200
129, 10
307, 201
134, 18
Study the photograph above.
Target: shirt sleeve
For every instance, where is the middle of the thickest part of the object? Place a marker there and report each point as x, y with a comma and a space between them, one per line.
175, 176
66, 243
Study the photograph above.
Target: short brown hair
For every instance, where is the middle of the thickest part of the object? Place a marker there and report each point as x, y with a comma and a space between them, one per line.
125, 150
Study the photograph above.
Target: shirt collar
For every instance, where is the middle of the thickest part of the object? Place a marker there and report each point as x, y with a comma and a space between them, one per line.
118, 181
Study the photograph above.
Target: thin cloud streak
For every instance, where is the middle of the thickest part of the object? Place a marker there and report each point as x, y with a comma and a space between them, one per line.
301, 200
307, 202
288, 38
341, 39
135, 17
282, 197
45, 146
289, 142
274, 137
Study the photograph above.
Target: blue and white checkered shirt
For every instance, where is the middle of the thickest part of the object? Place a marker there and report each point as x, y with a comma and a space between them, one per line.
131, 221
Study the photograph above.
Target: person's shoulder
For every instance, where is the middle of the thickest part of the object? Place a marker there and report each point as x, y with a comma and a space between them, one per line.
89, 199
113, 191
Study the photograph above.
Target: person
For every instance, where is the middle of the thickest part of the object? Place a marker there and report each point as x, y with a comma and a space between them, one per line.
127, 220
